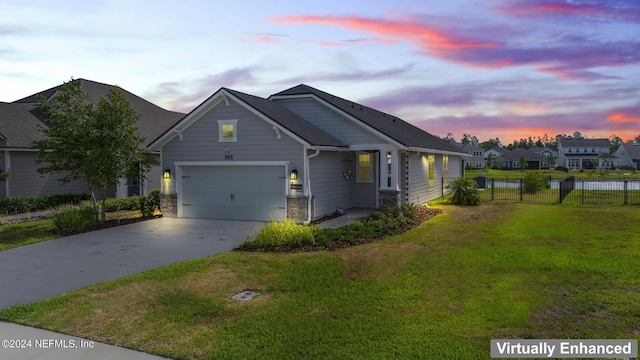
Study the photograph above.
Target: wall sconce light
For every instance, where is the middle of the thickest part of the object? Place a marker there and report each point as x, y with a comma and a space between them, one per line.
293, 175
166, 174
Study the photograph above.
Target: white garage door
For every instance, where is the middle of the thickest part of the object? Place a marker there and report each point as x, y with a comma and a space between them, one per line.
234, 192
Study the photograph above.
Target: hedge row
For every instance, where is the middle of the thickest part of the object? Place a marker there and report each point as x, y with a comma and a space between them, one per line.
21, 204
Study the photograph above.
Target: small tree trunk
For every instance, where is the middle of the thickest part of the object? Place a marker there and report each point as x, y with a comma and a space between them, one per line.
94, 202
103, 215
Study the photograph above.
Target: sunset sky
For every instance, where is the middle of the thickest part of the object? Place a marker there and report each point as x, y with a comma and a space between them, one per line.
490, 68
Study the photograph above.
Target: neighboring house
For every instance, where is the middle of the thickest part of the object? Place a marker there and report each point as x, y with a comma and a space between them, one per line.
585, 154
494, 154
476, 158
19, 125
511, 159
628, 154
300, 154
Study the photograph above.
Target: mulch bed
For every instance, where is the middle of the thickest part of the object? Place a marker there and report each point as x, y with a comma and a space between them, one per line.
113, 223
421, 216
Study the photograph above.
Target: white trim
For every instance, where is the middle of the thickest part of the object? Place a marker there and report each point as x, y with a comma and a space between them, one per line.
221, 124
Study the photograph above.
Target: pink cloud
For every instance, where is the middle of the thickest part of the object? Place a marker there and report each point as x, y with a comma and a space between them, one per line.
422, 36
566, 58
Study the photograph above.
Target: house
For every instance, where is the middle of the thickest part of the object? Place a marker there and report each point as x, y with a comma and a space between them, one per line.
511, 159
628, 154
19, 125
585, 154
492, 154
300, 154
476, 158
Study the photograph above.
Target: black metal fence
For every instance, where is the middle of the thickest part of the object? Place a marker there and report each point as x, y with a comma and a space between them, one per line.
565, 191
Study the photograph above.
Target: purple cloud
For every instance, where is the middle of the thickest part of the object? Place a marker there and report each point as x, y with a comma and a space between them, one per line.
620, 10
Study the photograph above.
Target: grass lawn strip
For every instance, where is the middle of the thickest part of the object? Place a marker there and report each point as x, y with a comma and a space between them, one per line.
440, 291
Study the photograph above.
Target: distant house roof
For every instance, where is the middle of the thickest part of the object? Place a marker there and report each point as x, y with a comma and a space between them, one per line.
19, 125
516, 154
287, 119
633, 150
153, 120
389, 125
584, 142
468, 147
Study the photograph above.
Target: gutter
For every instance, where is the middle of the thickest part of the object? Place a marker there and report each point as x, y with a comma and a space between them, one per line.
308, 180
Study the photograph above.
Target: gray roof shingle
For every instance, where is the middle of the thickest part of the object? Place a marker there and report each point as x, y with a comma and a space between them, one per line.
19, 125
392, 126
153, 120
584, 142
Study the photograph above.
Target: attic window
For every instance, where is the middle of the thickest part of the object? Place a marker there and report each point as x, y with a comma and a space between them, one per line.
227, 130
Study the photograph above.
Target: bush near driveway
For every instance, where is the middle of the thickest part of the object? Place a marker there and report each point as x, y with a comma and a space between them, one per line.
72, 219
290, 236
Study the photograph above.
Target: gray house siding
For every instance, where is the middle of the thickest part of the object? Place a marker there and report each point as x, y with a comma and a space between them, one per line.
25, 181
414, 184
257, 141
330, 121
331, 190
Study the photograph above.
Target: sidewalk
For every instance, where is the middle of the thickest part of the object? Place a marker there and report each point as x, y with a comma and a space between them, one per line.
38, 344
349, 216
36, 215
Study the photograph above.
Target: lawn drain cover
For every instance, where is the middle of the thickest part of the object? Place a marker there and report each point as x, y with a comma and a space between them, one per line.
245, 295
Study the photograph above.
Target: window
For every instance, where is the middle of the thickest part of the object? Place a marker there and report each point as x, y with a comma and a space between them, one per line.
431, 165
227, 130
585, 150
593, 150
569, 150
364, 168
577, 150
445, 168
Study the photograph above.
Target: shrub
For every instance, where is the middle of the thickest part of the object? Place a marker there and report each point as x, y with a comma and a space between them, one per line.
73, 219
21, 204
465, 192
533, 182
282, 233
129, 203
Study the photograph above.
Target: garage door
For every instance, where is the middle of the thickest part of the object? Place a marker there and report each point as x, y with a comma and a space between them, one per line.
234, 192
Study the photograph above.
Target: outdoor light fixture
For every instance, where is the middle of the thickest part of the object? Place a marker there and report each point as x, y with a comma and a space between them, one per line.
293, 175
166, 174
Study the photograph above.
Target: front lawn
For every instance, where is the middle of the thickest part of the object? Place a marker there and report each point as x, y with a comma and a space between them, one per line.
440, 291
26, 233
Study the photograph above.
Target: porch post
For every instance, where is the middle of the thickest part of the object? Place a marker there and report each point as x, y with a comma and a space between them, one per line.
389, 192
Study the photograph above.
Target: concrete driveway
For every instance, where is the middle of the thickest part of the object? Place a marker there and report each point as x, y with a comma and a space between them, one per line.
53, 267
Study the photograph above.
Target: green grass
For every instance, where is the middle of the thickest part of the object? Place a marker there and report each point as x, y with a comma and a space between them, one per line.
440, 291
556, 174
15, 235
21, 234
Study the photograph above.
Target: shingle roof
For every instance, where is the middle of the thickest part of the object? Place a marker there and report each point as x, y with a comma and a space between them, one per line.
516, 154
633, 149
288, 120
392, 126
19, 125
584, 142
153, 120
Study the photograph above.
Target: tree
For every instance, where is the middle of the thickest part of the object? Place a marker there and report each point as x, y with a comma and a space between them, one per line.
489, 160
523, 163
615, 142
99, 143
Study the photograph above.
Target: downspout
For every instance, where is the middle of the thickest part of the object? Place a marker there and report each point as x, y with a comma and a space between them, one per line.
308, 180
